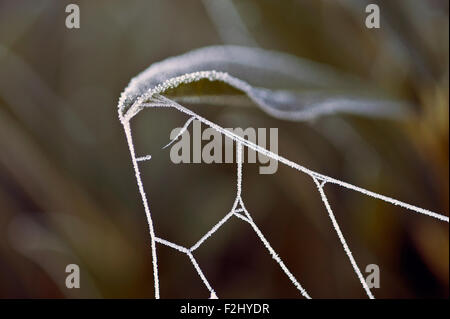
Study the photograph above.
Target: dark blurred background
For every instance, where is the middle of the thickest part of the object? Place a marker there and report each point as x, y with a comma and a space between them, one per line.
67, 187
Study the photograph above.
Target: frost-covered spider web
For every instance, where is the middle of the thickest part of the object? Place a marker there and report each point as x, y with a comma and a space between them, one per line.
145, 91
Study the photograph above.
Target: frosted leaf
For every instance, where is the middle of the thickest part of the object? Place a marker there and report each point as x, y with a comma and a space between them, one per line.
285, 86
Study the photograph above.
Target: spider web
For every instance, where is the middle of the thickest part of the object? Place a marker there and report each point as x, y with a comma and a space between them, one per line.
238, 209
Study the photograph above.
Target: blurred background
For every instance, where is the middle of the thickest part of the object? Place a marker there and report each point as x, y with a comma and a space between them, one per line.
67, 187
